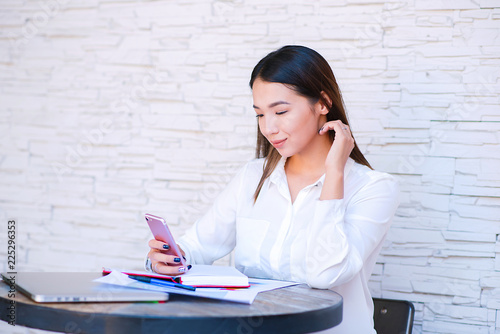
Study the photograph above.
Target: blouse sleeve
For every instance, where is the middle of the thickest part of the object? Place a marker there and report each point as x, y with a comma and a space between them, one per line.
214, 235
344, 234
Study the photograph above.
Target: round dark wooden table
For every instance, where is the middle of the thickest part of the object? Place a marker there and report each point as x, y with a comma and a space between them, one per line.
295, 309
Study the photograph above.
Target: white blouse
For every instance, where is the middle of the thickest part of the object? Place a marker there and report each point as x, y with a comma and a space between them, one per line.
327, 244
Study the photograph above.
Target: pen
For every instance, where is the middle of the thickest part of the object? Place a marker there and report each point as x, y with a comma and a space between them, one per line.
161, 282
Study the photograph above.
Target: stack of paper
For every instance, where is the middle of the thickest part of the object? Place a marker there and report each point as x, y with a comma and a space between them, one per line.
201, 276
213, 276
241, 295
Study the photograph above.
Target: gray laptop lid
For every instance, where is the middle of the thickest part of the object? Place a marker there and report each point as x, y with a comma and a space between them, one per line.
76, 287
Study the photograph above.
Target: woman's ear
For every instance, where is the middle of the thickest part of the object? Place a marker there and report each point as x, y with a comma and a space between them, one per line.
325, 109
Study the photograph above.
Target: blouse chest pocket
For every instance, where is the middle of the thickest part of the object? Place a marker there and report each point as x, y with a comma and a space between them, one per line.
250, 235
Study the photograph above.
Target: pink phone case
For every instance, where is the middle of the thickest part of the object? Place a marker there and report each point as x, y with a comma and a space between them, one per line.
161, 232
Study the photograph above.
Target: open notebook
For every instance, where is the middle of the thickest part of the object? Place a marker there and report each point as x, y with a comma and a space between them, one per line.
200, 275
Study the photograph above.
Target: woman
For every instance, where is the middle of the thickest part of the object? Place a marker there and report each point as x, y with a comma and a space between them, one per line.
310, 208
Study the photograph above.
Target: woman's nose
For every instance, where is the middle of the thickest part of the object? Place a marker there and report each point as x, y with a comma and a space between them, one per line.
269, 127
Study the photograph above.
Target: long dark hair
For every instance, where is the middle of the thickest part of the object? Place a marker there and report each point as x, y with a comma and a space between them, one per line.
309, 74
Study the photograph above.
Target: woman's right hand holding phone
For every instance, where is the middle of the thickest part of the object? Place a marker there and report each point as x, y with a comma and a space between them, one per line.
163, 263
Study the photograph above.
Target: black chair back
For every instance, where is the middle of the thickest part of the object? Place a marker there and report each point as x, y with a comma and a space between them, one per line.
393, 316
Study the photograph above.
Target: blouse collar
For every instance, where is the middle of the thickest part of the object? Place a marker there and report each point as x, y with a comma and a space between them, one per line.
278, 176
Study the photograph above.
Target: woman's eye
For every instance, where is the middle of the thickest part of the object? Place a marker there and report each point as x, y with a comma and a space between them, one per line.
259, 115
281, 112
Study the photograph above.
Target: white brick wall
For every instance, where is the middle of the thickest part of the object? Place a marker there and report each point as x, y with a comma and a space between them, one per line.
110, 109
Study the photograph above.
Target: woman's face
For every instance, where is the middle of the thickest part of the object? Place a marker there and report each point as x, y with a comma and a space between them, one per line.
288, 120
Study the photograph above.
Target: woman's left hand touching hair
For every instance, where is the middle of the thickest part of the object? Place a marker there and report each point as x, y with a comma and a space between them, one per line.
341, 148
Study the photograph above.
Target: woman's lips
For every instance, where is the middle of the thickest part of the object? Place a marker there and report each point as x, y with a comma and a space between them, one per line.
278, 143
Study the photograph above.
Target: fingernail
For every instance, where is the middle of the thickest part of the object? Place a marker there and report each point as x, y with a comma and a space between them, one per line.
177, 259
320, 130
189, 267
182, 269
166, 247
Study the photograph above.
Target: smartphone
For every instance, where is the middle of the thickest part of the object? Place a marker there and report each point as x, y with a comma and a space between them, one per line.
160, 231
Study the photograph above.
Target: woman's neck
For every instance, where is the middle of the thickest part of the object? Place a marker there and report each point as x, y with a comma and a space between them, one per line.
312, 161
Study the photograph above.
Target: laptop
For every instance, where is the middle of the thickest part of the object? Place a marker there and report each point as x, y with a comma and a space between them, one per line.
50, 287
